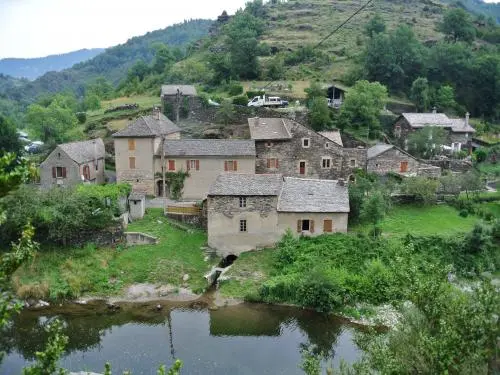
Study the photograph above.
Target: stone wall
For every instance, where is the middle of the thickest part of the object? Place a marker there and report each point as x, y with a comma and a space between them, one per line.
390, 161
290, 153
454, 165
353, 158
105, 237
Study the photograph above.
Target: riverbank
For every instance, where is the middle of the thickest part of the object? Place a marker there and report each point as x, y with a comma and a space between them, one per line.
177, 262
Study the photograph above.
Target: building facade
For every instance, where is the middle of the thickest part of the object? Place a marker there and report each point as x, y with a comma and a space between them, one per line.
247, 211
74, 163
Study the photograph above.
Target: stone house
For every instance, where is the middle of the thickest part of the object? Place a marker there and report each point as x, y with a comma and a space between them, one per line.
178, 100
385, 158
72, 163
292, 149
245, 211
135, 147
204, 160
459, 132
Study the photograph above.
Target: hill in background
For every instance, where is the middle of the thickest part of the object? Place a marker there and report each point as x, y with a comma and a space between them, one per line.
35, 67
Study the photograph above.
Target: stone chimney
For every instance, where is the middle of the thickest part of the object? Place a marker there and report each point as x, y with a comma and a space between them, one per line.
467, 115
434, 110
156, 113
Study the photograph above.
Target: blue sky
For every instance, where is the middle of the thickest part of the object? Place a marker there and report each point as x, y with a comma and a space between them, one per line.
34, 28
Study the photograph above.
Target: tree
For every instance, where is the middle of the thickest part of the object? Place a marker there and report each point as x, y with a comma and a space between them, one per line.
376, 25
427, 142
457, 26
444, 99
139, 70
226, 112
374, 209
471, 182
244, 63
419, 94
164, 58
314, 91
91, 101
319, 114
52, 123
362, 105
423, 189
9, 139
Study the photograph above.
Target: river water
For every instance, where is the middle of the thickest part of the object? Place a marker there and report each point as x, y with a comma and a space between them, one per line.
242, 339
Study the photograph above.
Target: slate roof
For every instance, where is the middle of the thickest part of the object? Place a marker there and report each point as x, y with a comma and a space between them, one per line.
187, 90
85, 151
419, 120
334, 136
377, 150
209, 147
307, 195
459, 126
246, 184
268, 128
148, 127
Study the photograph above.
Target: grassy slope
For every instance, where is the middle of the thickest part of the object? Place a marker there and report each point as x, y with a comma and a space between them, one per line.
105, 271
251, 268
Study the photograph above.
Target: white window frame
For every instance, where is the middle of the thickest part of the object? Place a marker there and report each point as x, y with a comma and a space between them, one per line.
243, 202
328, 163
304, 140
355, 163
192, 164
243, 226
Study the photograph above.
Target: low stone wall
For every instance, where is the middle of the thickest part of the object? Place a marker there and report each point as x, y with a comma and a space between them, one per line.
138, 238
194, 220
454, 165
104, 237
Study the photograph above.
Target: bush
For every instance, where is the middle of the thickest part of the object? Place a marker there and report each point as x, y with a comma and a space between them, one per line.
81, 117
235, 88
252, 93
240, 100
464, 213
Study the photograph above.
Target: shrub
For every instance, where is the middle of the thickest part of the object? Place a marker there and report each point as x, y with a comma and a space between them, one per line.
252, 93
81, 117
235, 88
464, 213
240, 100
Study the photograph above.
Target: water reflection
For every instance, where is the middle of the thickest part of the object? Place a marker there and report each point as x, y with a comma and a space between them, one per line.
243, 339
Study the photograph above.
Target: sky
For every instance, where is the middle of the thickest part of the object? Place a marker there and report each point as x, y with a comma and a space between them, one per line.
36, 28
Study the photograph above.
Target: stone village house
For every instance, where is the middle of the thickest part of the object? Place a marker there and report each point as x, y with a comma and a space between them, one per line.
386, 158
177, 99
459, 132
292, 149
246, 211
74, 163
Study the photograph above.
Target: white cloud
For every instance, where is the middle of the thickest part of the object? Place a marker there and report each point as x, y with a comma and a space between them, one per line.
32, 28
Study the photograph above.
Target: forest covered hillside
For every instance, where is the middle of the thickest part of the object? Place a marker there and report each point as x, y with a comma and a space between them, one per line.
32, 68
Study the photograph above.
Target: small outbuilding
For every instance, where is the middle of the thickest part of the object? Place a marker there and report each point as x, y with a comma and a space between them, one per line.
137, 205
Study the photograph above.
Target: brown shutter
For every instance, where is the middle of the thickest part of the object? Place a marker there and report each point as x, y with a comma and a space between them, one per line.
197, 165
131, 144
277, 163
54, 172
187, 165
299, 226
311, 226
225, 166
268, 163
171, 165
235, 165
64, 172
327, 226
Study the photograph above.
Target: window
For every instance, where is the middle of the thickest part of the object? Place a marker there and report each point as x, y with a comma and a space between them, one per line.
306, 142
86, 172
327, 226
131, 162
397, 131
59, 172
327, 145
272, 163
269, 144
230, 166
305, 226
171, 165
243, 225
326, 163
352, 163
193, 165
131, 144
302, 167
59, 155
97, 165
243, 202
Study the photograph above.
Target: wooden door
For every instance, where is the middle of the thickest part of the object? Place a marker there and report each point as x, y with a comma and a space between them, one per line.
403, 167
302, 167
327, 226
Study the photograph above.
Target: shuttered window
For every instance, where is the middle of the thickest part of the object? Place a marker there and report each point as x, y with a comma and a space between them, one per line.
86, 172
273, 163
327, 226
305, 226
171, 165
131, 144
230, 166
193, 165
131, 162
59, 172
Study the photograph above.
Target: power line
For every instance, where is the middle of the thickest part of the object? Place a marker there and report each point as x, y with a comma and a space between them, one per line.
329, 35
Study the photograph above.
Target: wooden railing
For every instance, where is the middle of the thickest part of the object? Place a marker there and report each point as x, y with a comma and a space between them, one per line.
183, 210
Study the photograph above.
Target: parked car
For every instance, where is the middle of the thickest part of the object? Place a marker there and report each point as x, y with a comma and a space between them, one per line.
267, 101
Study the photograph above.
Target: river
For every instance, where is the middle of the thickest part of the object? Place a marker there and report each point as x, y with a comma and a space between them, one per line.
241, 339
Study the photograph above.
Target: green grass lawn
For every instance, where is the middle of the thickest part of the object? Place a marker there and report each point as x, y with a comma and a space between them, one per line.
106, 271
247, 274
423, 220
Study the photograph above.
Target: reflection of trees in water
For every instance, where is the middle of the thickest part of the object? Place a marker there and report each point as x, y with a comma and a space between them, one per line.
27, 334
85, 325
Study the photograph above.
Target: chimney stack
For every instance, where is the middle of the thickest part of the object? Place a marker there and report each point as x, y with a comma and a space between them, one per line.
156, 113
434, 110
467, 115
